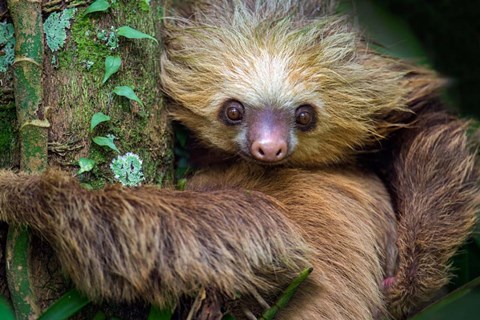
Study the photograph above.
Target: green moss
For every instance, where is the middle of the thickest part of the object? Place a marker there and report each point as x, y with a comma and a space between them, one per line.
115, 4
8, 137
30, 93
85, 47
55, 28
7, 43
144, 5
131, 12
98, 155
97, 184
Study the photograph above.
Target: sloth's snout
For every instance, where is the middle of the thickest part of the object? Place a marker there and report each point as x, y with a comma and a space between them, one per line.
269, 150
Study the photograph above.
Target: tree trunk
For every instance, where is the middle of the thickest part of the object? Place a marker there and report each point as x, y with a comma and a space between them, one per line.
73, 93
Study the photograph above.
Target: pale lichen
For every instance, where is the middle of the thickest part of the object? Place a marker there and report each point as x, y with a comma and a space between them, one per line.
7, 45
87, 64
110, 38
55, 28
128, 169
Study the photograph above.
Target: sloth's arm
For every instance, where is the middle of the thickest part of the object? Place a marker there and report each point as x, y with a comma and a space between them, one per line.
436, 193
152, 243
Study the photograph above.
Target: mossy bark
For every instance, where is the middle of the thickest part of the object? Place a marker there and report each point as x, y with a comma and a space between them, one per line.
68, 92
74, 92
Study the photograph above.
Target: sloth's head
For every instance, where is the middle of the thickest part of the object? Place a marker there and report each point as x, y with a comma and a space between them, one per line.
275, 86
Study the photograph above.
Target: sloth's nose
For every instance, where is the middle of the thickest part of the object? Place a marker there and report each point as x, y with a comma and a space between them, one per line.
269, 150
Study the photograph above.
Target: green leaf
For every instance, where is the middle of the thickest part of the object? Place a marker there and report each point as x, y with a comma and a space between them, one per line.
97, 6
112, 64
182, 184
159, 314
86, 186
126, 91
270, 313
99, 316
145, 5
98, 118
106, 142
65, 307
459, 304
85, 165
131, 33
6, 310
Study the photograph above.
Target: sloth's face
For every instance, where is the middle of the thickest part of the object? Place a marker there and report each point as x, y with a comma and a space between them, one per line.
267, 134
295, 93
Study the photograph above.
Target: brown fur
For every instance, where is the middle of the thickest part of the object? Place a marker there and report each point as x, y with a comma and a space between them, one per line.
147, 243
159, 245
243, 228
349, 227
436, 186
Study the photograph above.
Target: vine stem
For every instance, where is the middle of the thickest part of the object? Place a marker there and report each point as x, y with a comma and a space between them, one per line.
28, 92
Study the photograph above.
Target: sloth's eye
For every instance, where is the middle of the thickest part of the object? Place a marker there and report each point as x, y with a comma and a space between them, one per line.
233, 112
305, 117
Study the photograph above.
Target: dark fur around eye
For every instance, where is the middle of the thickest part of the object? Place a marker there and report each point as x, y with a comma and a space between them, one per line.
305, 117
232, 112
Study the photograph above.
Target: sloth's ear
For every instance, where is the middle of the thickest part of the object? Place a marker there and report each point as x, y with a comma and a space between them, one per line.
416, 83
422, 85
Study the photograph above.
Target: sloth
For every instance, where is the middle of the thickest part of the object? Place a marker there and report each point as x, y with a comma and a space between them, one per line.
326, 154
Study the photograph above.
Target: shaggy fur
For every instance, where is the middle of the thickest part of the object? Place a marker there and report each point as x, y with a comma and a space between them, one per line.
275, 55
350, 228
152, 244
436, 188
246, 228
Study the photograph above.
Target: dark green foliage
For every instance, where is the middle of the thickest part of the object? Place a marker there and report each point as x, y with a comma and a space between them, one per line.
65, 307
8, 135
158, 314
459, 304
449, 30
6, 310
286, 295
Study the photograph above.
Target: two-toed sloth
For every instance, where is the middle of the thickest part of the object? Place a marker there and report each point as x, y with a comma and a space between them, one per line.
294, 98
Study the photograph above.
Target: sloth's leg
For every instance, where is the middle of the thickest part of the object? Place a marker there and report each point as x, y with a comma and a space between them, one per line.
155, 244
436, 192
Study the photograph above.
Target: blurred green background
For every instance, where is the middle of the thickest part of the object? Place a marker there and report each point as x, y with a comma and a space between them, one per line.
444, 34
450, 34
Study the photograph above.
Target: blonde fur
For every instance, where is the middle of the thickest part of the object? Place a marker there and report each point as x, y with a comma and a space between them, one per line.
273, 55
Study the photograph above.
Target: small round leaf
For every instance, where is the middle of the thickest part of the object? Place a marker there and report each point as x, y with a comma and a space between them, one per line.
97, 6
129, 32
126, 91
85, 165
112, 65
98, 118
